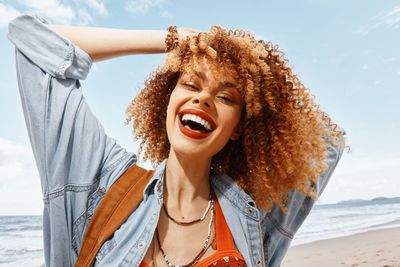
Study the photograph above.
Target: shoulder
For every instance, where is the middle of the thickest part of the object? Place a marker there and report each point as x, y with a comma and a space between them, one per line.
230, 193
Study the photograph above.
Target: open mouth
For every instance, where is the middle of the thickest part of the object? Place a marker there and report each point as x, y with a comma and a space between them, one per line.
195, 123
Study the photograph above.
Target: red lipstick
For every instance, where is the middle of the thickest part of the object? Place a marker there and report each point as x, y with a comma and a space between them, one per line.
190, 133
199, 113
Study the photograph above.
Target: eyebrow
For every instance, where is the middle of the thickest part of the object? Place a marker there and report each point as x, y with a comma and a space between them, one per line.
200, 74
224, 84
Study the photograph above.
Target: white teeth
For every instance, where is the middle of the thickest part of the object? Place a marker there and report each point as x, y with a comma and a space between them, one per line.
197, 119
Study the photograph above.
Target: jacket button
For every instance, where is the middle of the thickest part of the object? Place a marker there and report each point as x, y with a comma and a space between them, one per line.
140, 244
250, 210
258, 262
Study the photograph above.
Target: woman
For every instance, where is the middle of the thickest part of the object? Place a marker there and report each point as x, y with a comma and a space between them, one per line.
242, 151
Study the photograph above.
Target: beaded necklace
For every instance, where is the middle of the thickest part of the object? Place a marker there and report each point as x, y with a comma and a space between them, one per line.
205, 246
200, 254
194, 221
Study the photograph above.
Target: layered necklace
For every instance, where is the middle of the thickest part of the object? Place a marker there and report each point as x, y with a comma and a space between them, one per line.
211, 206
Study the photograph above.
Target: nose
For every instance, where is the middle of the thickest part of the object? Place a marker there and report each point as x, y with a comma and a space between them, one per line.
203, 99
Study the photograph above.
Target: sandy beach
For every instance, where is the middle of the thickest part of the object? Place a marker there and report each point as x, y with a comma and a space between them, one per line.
376, 248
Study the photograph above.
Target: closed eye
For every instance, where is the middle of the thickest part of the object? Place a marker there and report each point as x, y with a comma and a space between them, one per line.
190, 85
193, 87
226, 98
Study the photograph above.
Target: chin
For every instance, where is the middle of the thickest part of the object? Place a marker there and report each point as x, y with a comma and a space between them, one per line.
190, 149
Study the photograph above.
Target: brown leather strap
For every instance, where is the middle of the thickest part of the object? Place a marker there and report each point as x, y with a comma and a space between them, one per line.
119, 202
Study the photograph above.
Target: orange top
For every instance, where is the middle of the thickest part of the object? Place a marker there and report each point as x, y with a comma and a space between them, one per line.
226, 254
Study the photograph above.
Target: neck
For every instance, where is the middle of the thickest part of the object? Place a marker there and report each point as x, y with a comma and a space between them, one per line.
187, 183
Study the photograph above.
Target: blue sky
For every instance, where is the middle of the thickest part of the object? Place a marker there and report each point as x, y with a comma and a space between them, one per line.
345, 52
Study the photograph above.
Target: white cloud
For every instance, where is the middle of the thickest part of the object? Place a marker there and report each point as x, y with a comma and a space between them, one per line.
85, 17
98, 6
390, 20
363, 177
18, 177
59, 13
12, 159
354, 165
39, 4
7, 13
51, 9
166, 14
142, 6
91, 7
78, 12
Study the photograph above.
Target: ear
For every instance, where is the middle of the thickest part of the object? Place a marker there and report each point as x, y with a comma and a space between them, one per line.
236, 133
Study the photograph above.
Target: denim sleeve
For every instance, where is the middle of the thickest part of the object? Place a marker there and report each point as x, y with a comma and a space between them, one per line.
280, 228
69, 144
77, 161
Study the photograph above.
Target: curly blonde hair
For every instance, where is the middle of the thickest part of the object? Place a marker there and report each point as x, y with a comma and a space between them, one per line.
284, 135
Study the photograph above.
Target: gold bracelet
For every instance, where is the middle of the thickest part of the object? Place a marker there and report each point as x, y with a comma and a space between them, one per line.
172, 39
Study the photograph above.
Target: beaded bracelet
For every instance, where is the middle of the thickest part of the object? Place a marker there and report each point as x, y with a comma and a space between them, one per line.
172, 38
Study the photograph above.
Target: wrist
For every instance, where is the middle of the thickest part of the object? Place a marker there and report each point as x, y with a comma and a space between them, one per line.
172, 39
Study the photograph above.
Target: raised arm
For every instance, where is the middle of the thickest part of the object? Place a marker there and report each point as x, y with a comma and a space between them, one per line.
77, 161
299, 206
104, 43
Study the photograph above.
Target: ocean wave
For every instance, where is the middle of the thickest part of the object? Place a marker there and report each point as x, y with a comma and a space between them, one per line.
20, 228
21, 256
359, 214
22, 251
21, 235
395, 222
4, 220
336, 221
6, 261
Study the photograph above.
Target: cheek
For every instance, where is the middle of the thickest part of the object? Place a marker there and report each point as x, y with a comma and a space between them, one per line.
176, 97
231, 118
172, 103
175, 101
171, 110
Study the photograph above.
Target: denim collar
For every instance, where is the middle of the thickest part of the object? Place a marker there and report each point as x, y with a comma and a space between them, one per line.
228, 188
156, 181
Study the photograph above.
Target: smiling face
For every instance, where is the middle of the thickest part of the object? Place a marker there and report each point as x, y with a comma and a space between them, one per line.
203, 111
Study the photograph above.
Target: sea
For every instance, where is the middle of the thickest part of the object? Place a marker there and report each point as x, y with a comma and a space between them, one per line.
21, 241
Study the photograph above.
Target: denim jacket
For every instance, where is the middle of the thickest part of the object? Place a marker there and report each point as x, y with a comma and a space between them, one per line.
78, 163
